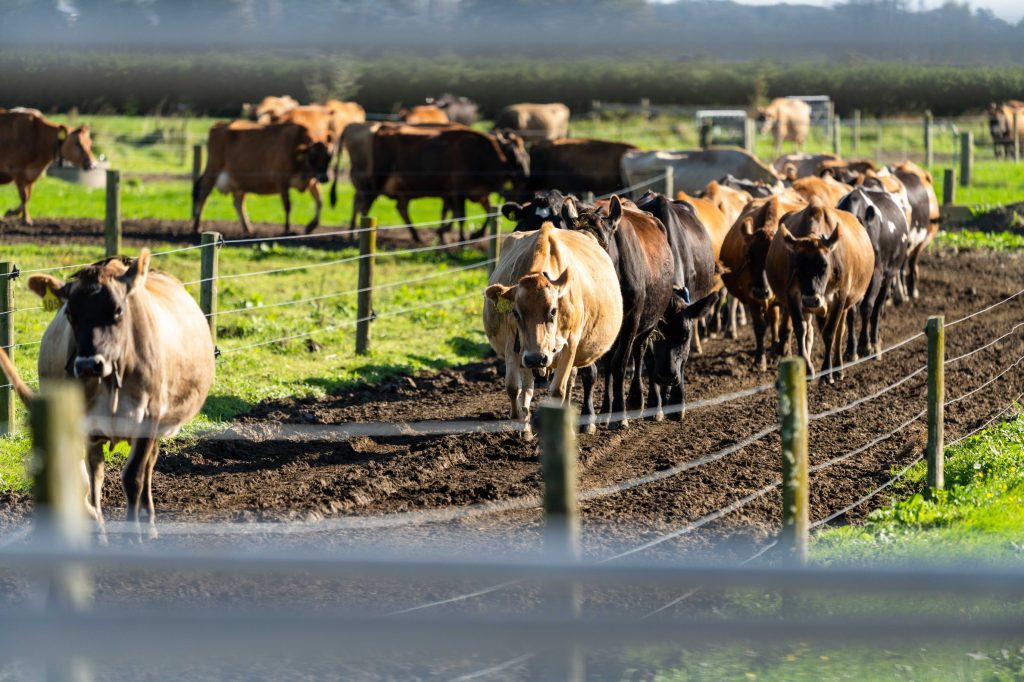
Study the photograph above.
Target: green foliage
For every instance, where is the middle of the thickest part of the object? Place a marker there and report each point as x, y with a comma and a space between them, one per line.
975, 239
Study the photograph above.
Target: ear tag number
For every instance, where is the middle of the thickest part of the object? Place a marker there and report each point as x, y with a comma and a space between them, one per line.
50, 301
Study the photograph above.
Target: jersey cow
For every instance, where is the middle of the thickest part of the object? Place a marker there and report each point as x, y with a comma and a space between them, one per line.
1005, 120
788, 120
29, 144
548, 306
262, 159
534, 122
270, 109
141, 347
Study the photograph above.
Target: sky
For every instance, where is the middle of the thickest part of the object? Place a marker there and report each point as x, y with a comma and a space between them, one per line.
1009, 10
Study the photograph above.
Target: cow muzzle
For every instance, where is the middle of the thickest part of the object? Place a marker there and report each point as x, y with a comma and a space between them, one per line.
93, 367
813, 304
323, 178
536, 360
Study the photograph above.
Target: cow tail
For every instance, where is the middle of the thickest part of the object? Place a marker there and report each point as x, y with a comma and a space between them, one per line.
24, 392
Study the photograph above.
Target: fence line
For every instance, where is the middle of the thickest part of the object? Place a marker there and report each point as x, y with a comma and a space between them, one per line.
987, 345
994, 417
983, 310
987, 383
860, 401
873, 493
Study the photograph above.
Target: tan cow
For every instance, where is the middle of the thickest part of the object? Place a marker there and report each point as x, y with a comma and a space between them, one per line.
715, 222
425, 113
788, 120
141, 347
344, 114
29, 143
1003, 120
826, 189
729, 201
535, 121
249, 157
317, 120
820, 264
270, 109
550, 303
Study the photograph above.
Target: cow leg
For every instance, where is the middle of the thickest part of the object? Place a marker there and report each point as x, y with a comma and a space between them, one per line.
459, 216
244, 217
757, 313
485, 202
851, 331
732, 322
286, 203
875, 343
148, 492
513, 382
25, 193
831, 337
563, 372
133, 476
589, 376
653, 387
912, 272
677, 394
635, 400
797, 320
318, 202
623, 349
200, 193
94, 457
839, 328
403, 210
700, 328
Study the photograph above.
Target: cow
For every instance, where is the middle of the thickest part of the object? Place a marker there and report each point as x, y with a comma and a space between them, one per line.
695, 287
548, 305
886, 224
1001, 119
534, 122
269, 110
744, 256
801, 165
317, 119
343, 114
357, 141
755, 190
458, 109
728, 200
141, 348
820, 264
424, 113
262, 159
827, 189
544, 207
716, 223
788, 120
29, 144
639, 248
924, 223
848, 171
576, 165
693, 170
455, 164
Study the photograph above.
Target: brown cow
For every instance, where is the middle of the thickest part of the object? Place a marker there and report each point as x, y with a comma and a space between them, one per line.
535, 121
576, 165
728, 200
551, 302
826, 189
317, 119
270, 109
924, 223
262, 159
424, 113
141, 347
1003, 120
744, 255
788, 120
343, 114
29, 144
820, 263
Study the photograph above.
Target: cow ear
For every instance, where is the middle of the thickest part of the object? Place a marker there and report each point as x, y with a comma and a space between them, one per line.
747, 228
500, 291
559, 281
615, 211
831, 240
135, 278
569, 213
511, 210
787, 237
49, 288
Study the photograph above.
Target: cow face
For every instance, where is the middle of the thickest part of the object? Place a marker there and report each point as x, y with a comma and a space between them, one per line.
998, 123
810, 268
672, 346
535, 305
544, 207
600, 223
76, 147
517, 160
97, 304
313, 161
766, 120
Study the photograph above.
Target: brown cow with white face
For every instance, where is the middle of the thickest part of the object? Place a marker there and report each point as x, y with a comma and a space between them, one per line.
141, 347
820, 264
29, 144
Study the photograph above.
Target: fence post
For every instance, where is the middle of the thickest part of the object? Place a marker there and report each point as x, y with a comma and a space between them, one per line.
966, 158
792, 388
367, 258
57, 448
558, 454
493, 245
706, 127
670, 184
929, 150
936, 399
856, 131
197, 169
949, 186
749, 136
837, 131
7, 398
112, 222
209, 272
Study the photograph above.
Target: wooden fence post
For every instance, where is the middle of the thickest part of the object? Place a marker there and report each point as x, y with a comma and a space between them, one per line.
837, 132
936, 399
8, 425
493, 245
209, 272
670, 184
367, 261
949, 186
929, 149
706, 127
558, 454
750, 136
966, 158
112, 221
856, 131
58, 444
792, 388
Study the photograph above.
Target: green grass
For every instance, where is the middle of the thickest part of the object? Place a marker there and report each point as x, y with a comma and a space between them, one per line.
975, 239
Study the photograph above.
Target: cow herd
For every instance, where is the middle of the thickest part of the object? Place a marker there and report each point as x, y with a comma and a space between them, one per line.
823, 247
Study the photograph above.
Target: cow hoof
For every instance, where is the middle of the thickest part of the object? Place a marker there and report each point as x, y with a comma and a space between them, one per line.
152, 533
659, 416
590, 428
679, 415
619, 423
762, 365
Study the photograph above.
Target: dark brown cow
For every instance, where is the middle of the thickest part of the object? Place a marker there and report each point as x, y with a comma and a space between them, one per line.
820, 263
576, 165
141, 347
29, 144
454, 164
262, 159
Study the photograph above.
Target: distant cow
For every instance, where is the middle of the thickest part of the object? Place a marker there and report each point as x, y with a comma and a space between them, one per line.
318, 121
424, 113
141, 347
1001, 119
269, 110
29, 144
644, 268
458, 109
886, 224
756, 190
820, 264
801, 165
262, 159
455, 164
534, 122
548, 305
576, 165
357, 141
693, 170
788, 120
924, 223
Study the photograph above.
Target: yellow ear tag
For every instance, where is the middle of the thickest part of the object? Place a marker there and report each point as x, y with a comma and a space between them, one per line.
503, 305
51, 302
62, 134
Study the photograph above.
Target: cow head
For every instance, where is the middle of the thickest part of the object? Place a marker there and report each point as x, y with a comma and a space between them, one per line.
76, 147
601, 223
765, 119
313, 160
998, 123
542, 208
517, 160
809, 264
97, 303
672, 344
756, 239
535, 302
